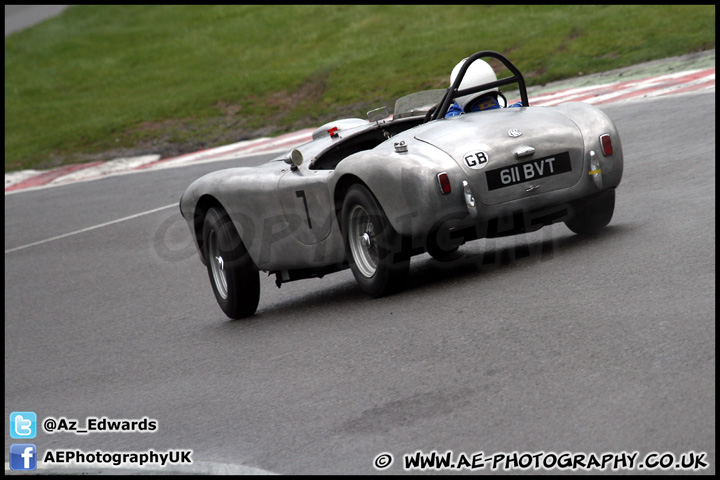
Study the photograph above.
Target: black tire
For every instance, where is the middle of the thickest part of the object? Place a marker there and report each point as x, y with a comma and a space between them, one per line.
443, 255
441, 247
594, 215
373, 248
233, 275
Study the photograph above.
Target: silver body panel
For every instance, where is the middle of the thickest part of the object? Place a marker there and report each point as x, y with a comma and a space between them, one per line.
288, 216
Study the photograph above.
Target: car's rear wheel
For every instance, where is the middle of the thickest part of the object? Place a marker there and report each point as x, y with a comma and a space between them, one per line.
441, 254
372, 246
594, 215
441, 246
233, 275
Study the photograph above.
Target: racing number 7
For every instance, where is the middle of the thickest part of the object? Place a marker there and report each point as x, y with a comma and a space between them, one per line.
301, 194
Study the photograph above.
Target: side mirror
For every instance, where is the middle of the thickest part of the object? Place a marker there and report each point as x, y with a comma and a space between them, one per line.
294, 158
378, 114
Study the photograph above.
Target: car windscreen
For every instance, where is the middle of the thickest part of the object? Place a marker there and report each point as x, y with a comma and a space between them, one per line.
417, 104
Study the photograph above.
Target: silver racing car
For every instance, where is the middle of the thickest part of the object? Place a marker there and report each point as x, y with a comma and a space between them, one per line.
369, 194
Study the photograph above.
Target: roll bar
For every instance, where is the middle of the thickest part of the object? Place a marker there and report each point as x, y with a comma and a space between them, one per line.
453, 92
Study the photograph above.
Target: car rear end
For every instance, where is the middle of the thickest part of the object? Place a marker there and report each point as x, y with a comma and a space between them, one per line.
523, 168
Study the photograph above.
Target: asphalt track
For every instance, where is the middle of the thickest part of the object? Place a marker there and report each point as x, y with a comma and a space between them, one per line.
19, 17
543, 342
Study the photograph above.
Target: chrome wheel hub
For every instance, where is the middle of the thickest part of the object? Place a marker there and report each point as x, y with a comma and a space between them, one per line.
361, 236
365, 240
217, 265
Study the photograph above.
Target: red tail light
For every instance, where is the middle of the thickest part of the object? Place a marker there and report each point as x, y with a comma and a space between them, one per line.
606, 145
444, 183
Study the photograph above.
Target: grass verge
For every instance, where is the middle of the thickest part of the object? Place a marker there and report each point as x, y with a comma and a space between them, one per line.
99, 82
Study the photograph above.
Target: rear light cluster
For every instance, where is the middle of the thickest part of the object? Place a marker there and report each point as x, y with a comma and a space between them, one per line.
606, 143
444, 183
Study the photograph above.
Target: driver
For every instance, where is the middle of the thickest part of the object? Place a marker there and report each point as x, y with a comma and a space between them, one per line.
478, 73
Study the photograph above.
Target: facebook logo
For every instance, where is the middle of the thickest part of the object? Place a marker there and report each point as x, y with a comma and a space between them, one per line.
23, 456
23, 425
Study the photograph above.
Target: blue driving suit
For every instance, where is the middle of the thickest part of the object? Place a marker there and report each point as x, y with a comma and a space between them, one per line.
488, 103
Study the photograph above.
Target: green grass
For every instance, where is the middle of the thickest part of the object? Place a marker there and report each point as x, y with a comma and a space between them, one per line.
98, 81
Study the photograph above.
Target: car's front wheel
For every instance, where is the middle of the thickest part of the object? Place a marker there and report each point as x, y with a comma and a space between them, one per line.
594, 215
372, 246
233, 275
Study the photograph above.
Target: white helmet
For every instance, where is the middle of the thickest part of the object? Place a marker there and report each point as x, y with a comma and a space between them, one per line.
478, 73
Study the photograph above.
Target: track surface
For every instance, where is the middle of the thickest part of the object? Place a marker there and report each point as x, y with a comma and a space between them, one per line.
543, 342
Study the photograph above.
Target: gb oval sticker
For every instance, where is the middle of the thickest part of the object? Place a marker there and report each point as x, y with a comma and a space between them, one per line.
476, 160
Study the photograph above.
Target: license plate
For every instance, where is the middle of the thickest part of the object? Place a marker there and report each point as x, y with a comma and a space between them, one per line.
526, 171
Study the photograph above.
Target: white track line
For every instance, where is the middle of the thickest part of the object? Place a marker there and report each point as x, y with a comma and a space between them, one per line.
175, 205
